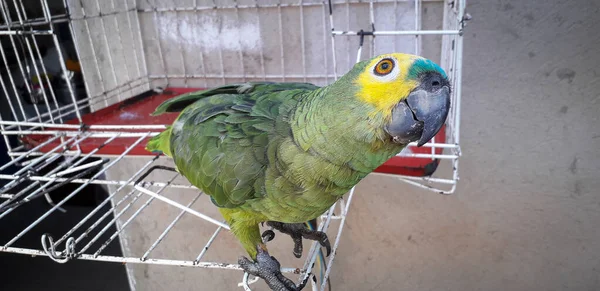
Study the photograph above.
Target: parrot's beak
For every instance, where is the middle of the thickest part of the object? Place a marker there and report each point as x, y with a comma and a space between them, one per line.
422, 114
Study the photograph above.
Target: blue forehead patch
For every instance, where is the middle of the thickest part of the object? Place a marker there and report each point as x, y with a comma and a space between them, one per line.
422, 66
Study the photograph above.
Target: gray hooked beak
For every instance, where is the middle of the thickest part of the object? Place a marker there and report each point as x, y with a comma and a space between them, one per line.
420, 116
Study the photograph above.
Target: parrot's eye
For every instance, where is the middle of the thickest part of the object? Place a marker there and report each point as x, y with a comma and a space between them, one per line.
384, 67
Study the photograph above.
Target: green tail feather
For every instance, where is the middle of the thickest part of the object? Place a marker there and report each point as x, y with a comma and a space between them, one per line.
178, 103
160, 143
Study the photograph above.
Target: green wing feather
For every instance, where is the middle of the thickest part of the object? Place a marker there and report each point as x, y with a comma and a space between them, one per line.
220, 140
180, 102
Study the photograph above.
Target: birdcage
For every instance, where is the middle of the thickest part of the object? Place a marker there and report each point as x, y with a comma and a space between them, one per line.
81, 77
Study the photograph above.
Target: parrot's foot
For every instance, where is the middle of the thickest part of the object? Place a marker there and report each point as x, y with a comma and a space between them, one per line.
269, 269
298, 231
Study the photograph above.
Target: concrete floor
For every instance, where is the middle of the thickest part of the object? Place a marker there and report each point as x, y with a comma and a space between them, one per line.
527, 206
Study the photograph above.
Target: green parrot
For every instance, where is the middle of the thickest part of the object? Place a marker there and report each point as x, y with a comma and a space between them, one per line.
284, 153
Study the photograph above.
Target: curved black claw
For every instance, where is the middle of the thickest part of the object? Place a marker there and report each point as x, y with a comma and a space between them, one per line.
268, 268
268, 235
298, 231
321, 237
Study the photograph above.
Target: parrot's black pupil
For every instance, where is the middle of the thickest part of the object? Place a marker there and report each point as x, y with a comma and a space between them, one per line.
383, 68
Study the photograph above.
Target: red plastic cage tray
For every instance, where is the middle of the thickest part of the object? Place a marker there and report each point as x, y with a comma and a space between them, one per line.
137, 110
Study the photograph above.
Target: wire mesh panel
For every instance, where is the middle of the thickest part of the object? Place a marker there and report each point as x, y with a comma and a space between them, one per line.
108, 40
80, 78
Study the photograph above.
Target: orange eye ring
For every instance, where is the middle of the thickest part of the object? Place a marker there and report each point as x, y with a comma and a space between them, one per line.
384, 67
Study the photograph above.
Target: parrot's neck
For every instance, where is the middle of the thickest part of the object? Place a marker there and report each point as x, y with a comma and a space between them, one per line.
333, 123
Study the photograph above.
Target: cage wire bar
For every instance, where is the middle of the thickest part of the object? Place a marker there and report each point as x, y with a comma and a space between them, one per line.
126, 48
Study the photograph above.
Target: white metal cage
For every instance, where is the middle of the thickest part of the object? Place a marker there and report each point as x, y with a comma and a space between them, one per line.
63, 61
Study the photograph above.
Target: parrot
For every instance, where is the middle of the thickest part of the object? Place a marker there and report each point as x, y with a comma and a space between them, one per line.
283, 153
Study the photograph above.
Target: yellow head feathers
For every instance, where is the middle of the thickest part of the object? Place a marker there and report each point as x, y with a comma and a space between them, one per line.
387, 79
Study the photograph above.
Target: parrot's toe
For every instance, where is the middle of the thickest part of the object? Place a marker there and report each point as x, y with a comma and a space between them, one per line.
298, 231
268, 235
319, 236
269, 269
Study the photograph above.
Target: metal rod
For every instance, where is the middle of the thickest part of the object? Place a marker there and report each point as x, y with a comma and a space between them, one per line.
372, 19
180, 206
140, 39
398, 32
181, 52
348, 54
39, 21
424, 179
169, 227
436, 145
75, 133
262, 51
128, 260
238, 76
91, 127
79, 168
26, 32
302, 42
281, 49
417, 25
332, 41
240, 54
396, 24
200, 50
100, 15
208, 244
105, 37
159, 45
133, 46
428, 187
118, 32
325, 33
279, 4
337, 239
426, 156
359, 53
220, 50
88, 181
458, 72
